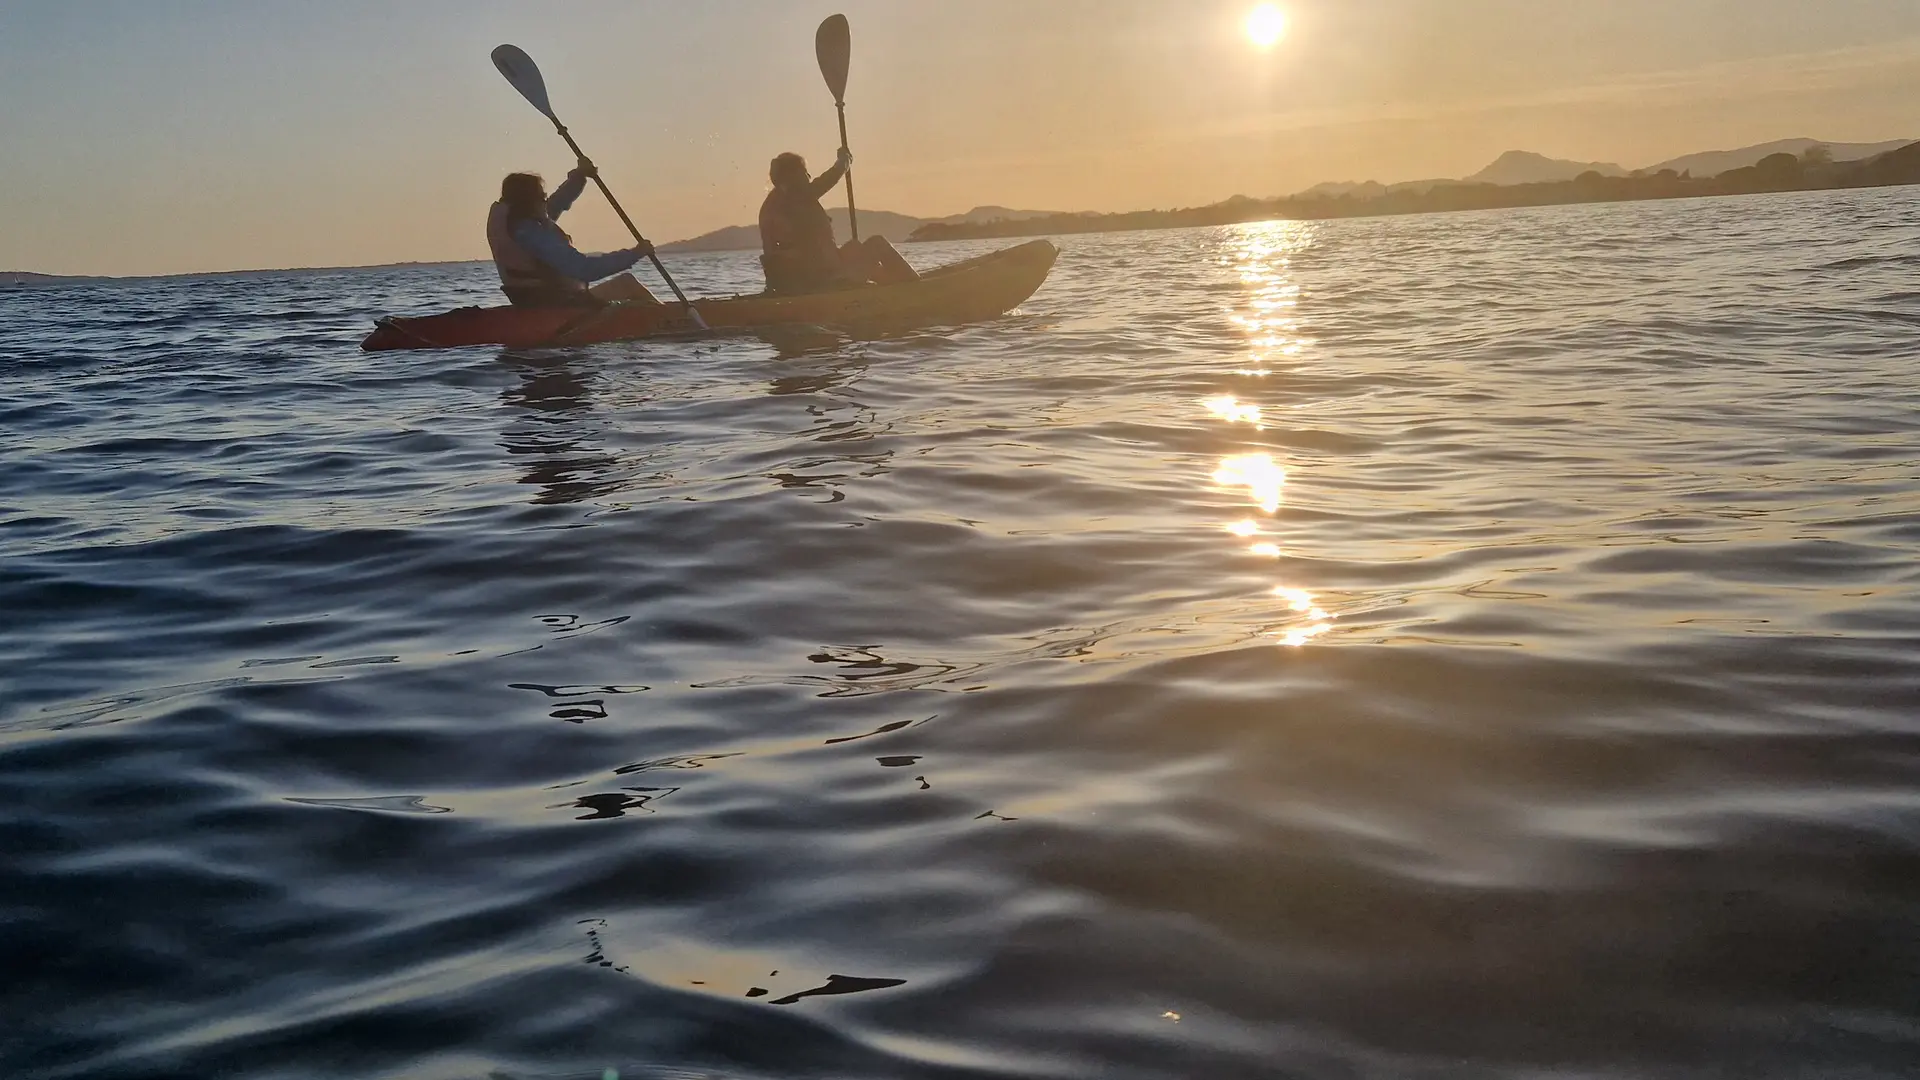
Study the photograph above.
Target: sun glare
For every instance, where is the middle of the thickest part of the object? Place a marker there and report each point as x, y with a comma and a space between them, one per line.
1266, 26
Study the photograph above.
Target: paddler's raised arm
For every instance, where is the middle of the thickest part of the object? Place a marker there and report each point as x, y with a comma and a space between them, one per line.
826, 181
563, 196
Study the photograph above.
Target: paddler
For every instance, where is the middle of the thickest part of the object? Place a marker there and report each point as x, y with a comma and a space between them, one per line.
796, 235
538, 264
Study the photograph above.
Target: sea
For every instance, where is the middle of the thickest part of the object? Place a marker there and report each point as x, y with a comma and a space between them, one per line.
1476, 645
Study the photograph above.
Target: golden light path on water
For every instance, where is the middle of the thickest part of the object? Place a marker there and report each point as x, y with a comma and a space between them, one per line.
1264, 260
1258, 474
1233, 410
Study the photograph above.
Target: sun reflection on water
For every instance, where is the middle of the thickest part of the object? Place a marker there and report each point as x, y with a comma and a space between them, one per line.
1263, 258
1301, 636
1233, 410
1258, 474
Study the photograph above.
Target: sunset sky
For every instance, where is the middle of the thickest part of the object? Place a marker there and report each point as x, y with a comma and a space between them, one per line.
166, 136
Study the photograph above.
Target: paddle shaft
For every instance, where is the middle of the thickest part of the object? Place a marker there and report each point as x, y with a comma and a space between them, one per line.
628, 222
853, 218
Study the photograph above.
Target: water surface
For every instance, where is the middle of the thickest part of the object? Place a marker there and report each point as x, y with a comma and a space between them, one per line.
1471, 645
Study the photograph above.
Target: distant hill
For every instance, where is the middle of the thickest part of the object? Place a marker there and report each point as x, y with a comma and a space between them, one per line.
1525, 167
895, 227
1715, 162
20, 278
1370, 189
1777, 172
1901, 166
982, 214
1367, 189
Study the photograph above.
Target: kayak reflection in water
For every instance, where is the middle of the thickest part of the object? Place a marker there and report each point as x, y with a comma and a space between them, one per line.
538, 264
796, 235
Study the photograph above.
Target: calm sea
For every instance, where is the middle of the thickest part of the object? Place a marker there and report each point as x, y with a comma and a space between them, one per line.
1463, 646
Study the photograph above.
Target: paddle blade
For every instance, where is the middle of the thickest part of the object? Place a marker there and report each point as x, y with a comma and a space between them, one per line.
524, 74
833, 46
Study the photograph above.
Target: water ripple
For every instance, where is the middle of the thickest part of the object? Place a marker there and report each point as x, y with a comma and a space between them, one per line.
1470, 645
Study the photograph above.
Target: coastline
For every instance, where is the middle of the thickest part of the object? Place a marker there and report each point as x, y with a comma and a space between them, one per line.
1781, 173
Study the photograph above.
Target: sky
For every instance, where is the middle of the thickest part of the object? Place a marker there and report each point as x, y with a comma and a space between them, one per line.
173, 136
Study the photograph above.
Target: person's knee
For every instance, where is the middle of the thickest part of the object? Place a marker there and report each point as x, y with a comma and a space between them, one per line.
624, 287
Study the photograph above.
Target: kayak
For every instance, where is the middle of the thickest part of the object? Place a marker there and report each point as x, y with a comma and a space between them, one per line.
967, 291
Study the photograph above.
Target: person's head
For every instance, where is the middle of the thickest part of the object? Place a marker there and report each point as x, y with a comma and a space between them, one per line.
525, 195
788, 169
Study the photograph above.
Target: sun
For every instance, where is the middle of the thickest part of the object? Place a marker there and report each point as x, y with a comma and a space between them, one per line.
1266, 25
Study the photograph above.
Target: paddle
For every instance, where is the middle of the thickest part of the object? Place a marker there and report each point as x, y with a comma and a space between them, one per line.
833, 47
524, 74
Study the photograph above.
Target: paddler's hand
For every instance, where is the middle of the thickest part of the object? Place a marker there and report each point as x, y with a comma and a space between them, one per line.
643, 249
845, 159
584, 169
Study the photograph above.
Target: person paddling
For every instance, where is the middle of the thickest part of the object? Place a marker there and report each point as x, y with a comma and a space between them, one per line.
538, 264
796, 235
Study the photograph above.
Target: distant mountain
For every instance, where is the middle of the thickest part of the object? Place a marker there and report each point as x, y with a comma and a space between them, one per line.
895, 227
980, 215
1900, 166
23, 279
1370, 189
1524, 167
1333, 189
1715, 162
1778, 172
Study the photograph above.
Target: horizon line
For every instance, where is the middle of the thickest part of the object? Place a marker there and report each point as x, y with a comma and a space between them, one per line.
1060, 213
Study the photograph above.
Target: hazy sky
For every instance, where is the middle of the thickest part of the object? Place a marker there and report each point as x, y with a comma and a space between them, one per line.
175, 135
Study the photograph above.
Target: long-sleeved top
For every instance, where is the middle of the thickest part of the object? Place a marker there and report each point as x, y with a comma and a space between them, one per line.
545, 241
796, 235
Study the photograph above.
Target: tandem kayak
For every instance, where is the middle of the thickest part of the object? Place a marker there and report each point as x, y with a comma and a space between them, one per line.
967, 291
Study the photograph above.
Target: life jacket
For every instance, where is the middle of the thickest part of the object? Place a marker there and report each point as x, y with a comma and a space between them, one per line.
797, 241
519, 268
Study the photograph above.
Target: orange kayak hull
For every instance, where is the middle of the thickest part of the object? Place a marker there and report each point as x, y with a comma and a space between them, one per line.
968, 291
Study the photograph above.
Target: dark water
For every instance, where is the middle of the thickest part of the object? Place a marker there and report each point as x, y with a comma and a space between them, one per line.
1461, 646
